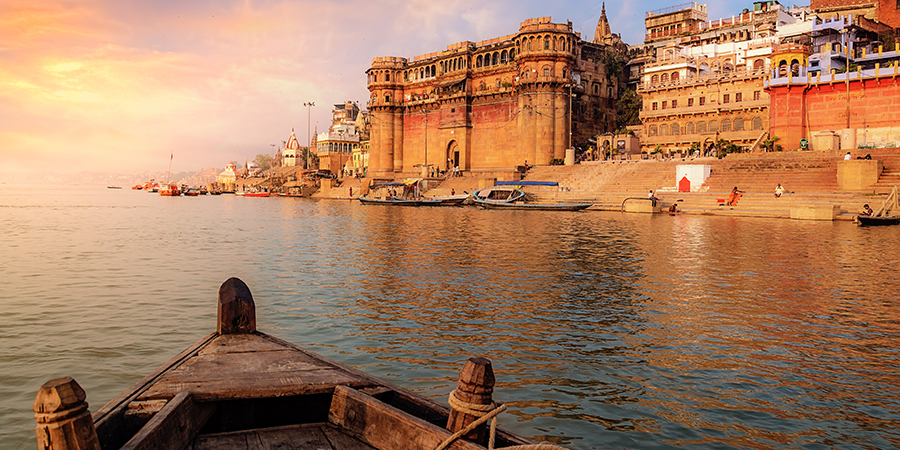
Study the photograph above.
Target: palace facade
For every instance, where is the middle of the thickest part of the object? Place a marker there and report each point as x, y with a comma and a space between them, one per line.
703, 81
492, 105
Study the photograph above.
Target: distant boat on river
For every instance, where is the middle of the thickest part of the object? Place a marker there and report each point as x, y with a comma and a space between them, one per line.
507, 195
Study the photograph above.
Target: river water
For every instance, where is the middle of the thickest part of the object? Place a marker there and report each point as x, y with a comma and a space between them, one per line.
606, 330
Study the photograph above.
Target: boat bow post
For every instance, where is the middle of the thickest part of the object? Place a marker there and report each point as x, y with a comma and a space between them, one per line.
64, 422
237, 311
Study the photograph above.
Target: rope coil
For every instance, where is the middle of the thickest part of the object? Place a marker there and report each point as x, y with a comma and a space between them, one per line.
485, 413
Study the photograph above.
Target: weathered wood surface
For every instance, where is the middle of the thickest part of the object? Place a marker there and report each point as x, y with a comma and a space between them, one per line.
385, 427
475, 385
301, 437
64, 423
237, 311
249, 366
174, 426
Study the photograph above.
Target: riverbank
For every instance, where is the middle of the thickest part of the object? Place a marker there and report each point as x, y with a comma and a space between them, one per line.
810, 180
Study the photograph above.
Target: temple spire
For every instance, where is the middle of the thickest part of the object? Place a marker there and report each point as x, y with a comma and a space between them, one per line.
603, 30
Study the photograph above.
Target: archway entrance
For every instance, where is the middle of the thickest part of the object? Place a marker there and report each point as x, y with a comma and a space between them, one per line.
452, 155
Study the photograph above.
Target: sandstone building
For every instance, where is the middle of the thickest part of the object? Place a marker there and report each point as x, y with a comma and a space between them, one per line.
703, 81
492, 105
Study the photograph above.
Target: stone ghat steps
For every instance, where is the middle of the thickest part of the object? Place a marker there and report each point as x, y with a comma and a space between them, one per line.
699, 201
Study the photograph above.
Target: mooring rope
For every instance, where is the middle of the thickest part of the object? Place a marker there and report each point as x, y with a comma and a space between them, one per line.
485, 413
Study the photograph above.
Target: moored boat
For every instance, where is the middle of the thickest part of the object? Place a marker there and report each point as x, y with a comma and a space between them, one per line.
239, 386
505, 195
871, 221
171, 191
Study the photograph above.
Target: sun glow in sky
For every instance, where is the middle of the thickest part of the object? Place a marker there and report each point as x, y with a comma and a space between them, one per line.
103, 85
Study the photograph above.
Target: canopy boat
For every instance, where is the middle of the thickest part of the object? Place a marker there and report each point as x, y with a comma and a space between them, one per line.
507, 195
171, 191
385, 194
241, 388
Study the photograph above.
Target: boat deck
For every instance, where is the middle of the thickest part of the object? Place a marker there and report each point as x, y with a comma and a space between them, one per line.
239, 388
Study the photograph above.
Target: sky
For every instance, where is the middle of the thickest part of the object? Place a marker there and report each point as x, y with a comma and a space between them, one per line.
123, 86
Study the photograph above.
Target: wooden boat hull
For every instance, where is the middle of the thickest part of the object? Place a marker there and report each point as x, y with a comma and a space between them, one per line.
238, 385
871, 221
533, 206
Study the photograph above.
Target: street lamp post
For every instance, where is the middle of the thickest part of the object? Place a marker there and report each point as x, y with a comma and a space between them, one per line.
308, 106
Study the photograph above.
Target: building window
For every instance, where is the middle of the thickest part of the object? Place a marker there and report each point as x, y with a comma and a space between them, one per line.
546, 44
726, 98
676, 129
702, 101
654, 106
652, 130
674, 104
756, 93
726, 126
654, 79
738, 124
665, 103
757, 123
738, 97
546, 72
701, 127
690, 102
713, 126
689, 128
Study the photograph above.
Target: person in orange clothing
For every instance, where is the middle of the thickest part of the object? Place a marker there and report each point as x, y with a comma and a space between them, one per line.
734, 197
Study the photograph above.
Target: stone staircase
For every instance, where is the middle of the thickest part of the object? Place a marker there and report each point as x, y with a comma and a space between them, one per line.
800, 174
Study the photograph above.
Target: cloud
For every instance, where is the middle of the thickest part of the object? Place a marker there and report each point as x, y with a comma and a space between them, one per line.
111, 85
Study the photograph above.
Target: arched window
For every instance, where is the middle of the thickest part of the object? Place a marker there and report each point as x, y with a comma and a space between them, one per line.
504, 57
478, 61
726, 126
546, 72
433, 70
387, 76
596, 88
528, 45
676, 129
701, 127
757, 123
759, 64
713, 126
512, 55
546, 43
795, 67
496, 59
654, 79
664, 78
674, 77
652, 131
387, 98
704, 70
738, 124
689, 128
663, 130
562, 44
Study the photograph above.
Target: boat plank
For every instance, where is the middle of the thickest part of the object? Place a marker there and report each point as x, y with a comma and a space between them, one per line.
109, 420
240, 343
385, 427
218, 366
340, 441
174, 426
319, 436
227, 441
300, 438
280, 385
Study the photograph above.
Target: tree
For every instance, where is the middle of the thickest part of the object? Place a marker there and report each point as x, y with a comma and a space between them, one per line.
769, 144
628, 109
264, 161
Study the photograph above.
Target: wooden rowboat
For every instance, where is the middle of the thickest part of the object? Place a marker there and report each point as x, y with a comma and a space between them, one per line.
239, 388
870, 221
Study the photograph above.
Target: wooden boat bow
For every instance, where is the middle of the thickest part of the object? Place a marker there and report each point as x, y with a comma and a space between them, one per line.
241, 388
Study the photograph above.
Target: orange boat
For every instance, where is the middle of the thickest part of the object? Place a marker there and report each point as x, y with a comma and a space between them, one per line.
172, 191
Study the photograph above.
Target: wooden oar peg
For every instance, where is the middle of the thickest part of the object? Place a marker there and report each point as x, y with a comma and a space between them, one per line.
237, 312
475, 385
64, 422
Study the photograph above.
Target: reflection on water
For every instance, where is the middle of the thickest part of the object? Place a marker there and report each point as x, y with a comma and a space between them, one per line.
606, 330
